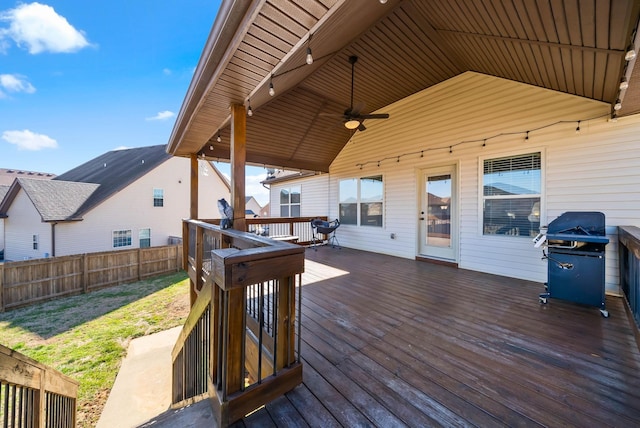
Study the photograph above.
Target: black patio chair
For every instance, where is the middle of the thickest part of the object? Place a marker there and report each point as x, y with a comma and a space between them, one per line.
326, 228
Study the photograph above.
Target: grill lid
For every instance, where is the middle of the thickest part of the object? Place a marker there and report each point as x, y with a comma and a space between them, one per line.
581, 226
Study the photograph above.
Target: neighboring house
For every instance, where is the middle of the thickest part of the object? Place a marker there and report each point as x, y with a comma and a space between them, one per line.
122, 199
253, 208
7, 176
475, 192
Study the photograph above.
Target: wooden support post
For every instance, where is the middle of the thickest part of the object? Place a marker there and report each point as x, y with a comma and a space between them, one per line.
238, 163
193, 214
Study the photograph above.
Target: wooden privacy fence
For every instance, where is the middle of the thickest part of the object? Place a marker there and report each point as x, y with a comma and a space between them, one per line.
27, 282
34, 395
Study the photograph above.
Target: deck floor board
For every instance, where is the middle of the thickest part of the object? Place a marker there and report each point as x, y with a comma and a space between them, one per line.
395, 342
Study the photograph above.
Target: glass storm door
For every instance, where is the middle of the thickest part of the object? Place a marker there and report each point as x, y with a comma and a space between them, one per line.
438, 207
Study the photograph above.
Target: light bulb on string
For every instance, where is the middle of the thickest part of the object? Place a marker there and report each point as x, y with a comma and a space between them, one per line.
618, 105
624, 84
219, 138
631, 54
272, 91
249, 110
309, 58
578, 128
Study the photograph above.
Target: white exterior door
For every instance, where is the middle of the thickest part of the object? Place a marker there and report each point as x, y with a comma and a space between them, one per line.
438, 212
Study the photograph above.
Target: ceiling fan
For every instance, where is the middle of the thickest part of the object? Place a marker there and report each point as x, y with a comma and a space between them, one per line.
352, 118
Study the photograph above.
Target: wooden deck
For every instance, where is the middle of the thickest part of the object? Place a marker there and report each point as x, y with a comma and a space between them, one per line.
392, 342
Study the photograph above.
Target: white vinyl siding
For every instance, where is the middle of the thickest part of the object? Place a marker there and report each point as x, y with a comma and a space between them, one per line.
595, 170
22, 223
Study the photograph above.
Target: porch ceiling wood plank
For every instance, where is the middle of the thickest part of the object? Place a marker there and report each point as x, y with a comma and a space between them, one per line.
401, 341
404, 47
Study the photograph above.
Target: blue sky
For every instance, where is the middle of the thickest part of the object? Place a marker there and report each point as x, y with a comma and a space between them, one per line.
79, 78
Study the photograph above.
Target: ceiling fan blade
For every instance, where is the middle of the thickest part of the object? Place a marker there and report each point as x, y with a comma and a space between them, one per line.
361, 127
374, 116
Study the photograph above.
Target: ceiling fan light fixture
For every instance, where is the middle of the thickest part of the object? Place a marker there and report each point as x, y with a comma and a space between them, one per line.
352, 124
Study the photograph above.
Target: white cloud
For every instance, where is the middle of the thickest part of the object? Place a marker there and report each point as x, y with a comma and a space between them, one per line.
38, 28
27, 140
14, 83
167, 71
121, 148
163, 115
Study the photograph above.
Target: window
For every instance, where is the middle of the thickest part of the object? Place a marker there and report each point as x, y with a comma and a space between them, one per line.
144, 236
290, 202
158, 197
361, 201
511, 195
121, 238
35, 242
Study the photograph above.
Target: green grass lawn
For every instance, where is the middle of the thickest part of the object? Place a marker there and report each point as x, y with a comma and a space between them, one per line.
86, 336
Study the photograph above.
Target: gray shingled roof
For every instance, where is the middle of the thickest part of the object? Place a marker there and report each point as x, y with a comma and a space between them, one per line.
56, 200
114, 171
8, 175
3, 191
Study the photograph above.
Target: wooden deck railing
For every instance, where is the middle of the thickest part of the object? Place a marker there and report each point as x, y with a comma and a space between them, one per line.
33, 395
280, 226
240, 344
629, 259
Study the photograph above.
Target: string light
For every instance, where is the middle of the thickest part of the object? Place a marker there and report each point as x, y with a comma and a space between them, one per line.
526, 137
272, 91
309, 58
219, 138
618, 105
631, 53
249, 110
624, 84
611, 117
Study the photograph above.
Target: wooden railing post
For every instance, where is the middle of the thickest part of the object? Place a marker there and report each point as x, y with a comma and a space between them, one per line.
250, 362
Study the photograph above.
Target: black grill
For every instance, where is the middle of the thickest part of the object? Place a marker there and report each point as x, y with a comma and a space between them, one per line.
576, 242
